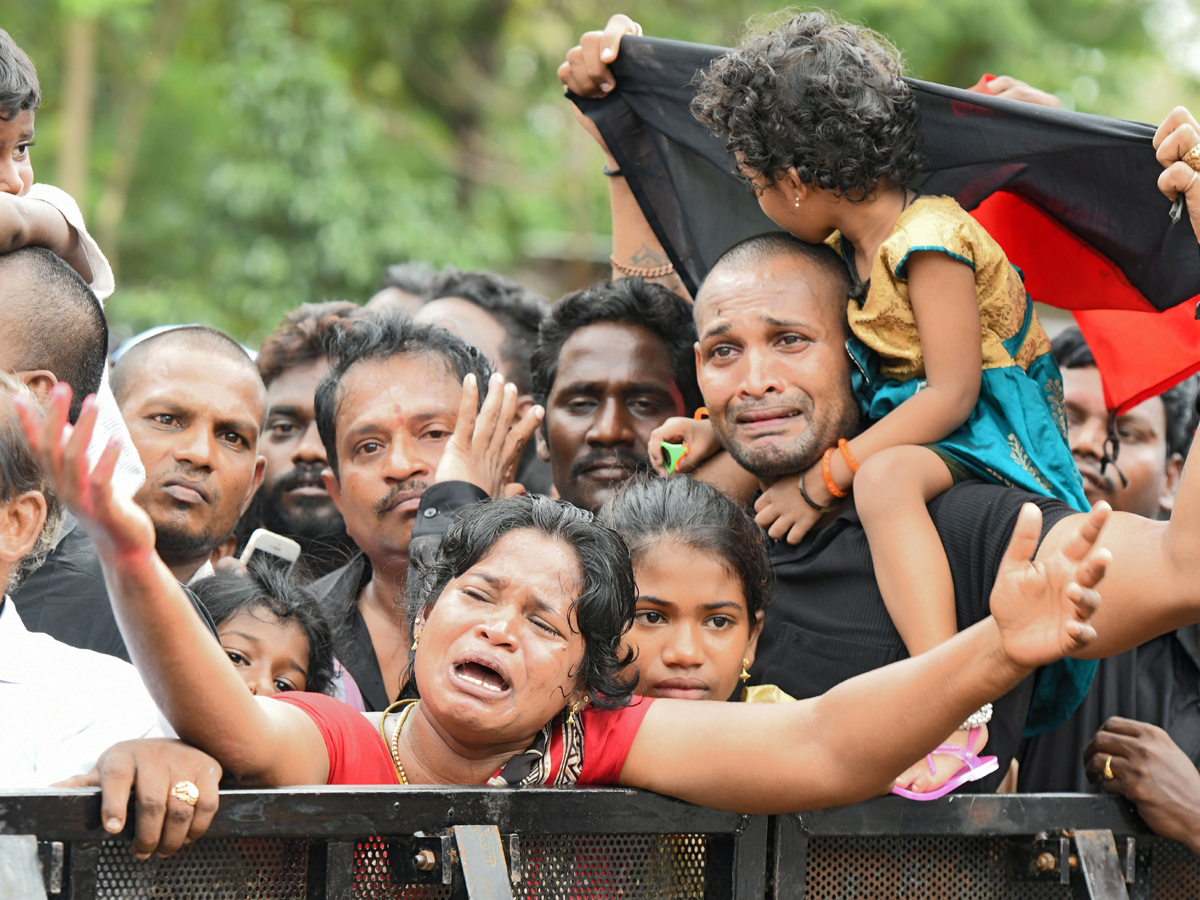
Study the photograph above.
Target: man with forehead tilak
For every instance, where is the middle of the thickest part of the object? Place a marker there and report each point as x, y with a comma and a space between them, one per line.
407, 444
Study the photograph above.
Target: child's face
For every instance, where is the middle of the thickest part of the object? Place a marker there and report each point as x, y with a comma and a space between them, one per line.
16, 137
270, 654
691, 630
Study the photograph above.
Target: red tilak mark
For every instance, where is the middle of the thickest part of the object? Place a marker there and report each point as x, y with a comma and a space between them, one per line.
399, 414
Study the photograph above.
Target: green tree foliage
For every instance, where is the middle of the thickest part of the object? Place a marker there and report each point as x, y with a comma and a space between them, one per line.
244, 156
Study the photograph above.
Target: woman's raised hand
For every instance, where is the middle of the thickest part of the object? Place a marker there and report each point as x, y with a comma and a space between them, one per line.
115, 523
1178, 134
486, 446
1043, 607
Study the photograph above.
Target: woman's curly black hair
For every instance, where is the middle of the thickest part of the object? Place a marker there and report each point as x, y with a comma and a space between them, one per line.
823, 96
226, 594
605, 606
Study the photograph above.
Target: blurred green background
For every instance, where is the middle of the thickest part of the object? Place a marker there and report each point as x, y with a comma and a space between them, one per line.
238, 157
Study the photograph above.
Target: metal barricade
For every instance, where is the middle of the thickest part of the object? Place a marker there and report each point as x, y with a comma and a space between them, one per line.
487, 844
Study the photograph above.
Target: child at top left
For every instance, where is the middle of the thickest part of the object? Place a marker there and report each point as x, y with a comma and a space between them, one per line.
33, 214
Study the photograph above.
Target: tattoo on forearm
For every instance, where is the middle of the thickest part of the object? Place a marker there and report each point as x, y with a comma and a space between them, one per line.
646, 257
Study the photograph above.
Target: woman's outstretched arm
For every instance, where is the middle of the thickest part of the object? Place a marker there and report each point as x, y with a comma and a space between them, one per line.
852, 742
259, 741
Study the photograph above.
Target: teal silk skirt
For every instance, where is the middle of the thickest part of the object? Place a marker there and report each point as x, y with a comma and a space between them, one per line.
1016, 436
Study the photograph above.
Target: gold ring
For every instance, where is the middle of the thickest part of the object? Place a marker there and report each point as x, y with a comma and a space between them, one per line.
1108, 768
189, 793
1192, 158
1195, 174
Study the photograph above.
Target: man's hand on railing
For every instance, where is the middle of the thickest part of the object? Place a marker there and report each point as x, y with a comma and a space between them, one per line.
1142, 763
159, 774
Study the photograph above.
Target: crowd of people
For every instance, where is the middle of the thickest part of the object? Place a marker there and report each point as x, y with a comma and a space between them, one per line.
910, 567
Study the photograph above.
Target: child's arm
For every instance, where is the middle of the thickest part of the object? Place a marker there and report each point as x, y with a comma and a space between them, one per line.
25, 222
946, 308
697, 434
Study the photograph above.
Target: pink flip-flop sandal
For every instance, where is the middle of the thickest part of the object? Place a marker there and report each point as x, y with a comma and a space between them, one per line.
974, 768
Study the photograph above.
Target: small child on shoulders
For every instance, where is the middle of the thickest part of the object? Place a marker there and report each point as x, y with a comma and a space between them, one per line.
33, 214
952, 369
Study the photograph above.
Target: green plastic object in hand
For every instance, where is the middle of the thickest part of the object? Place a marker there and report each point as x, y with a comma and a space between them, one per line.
674, 453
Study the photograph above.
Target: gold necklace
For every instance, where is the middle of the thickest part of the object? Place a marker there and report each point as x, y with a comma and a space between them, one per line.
394, 745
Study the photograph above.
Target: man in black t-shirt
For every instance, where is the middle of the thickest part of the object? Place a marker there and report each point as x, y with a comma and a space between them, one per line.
772, 365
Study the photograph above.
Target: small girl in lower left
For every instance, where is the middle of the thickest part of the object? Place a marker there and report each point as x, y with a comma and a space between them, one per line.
271, 629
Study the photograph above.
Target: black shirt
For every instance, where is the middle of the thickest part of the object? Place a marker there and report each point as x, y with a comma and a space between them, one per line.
66, 598
827, 621
337, 593
1158, 682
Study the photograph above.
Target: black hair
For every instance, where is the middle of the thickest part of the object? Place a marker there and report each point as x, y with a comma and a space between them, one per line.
226, 594
823, 96
648, 510
19, 89
629, 301
379, 335
605, 607
60, 322
1071, 351
303, 337
518, 310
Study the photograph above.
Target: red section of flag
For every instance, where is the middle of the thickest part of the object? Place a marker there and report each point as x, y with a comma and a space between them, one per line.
1140, 352
1059, 268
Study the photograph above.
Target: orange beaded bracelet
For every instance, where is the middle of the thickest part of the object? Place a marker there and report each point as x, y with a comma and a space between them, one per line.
827, 473
844, 446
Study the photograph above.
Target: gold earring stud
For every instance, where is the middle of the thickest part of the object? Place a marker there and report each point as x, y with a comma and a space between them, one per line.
416, 639
745, 676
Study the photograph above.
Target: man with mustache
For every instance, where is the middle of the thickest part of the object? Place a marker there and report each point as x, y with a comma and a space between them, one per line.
194, 404
293, 501
1153, 437
387, 414
613, 362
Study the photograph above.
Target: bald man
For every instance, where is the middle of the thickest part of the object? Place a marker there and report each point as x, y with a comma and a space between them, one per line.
194, 404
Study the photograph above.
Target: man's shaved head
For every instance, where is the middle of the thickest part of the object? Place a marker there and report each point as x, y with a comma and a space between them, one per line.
131, 365
50, 320
756, 253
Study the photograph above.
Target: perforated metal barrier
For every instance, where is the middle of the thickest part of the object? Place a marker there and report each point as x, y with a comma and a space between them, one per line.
486, 844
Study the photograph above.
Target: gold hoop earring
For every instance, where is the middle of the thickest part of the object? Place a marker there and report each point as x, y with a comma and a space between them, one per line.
745, 676
572, 711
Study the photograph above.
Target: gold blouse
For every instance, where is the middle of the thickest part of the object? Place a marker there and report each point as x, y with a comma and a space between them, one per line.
885, 321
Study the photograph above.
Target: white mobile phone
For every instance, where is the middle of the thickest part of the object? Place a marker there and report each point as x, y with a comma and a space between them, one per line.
270, 549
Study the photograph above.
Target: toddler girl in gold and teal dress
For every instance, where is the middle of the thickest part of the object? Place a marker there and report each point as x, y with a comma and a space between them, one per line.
952, 369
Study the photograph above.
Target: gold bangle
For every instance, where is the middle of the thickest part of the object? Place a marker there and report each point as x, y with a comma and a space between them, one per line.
641, 271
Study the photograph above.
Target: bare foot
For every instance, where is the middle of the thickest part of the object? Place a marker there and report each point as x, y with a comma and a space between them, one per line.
918, 778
